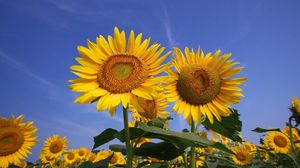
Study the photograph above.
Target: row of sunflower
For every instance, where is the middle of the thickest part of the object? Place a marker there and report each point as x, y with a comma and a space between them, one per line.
276, 149
115, 71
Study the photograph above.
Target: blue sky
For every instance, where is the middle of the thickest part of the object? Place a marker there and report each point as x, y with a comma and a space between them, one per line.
38, 41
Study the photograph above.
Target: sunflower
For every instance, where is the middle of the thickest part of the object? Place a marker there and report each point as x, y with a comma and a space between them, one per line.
117, 158
112, 72
16, 140
250, 147
242, 155
145, 110
83, 153
70, 157
55, 146
45, 159
296, 104
278, 142
203, 84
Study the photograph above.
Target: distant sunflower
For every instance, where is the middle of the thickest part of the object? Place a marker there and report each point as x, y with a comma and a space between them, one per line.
83, 153
70, 157
16, 140
278, 142
250, 147
112, 72
45, 159
203, 84
295, 133
242, 155
55, 146
145, 110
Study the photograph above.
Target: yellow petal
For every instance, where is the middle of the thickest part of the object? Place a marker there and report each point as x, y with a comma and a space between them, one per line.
142, 92
84, 75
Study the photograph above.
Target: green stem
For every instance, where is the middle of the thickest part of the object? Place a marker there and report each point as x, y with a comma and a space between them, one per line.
292, 142
193, 153
127, 138
184, 160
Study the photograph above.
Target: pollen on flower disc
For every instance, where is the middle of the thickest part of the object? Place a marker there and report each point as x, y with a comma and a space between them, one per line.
198, 85
56, 146
11, 140
280, 141
121, 74
148, 107
240, 156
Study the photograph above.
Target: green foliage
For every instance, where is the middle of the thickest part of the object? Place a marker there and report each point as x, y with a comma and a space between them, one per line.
229, 127
101, 164
161, 150
262, 130
106, 136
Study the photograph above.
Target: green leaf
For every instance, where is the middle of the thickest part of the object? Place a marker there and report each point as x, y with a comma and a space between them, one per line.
104, 137
101, 164
118, 148
229, 126
161, 150
159, 122
134, 133
182, 139
262, 130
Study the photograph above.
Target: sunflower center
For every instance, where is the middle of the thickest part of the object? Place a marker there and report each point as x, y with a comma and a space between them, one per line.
149, 108
121, 73
49, 159
71, 156
56, 146
11, 140
198, 85
81, 153
114, 159
280, 141
240, 156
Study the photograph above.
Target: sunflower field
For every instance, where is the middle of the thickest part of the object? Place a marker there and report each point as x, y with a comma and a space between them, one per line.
128, 71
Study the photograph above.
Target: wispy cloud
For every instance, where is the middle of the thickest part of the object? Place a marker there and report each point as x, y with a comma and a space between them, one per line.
75, 128
91, 109
9, 60
167, 23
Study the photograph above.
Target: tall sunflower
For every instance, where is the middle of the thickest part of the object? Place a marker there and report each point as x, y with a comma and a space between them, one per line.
203, 84
16, 140
278, 142
145, 110
242, 155
112, 71
55, 146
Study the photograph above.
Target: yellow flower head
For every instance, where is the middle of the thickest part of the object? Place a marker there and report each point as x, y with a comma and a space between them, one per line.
45, 159
83, 153
55, 146
114, 71
203, 85
250, 147
242, 155
295, 133
70, 157
16, 140
145, 110
117, 158
296, 104
278, 142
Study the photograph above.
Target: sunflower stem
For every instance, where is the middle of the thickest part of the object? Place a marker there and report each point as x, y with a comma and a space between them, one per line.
127, 138
292, 141
193, 153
